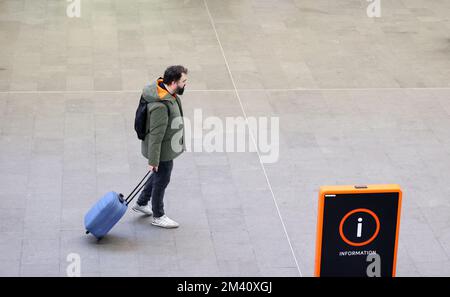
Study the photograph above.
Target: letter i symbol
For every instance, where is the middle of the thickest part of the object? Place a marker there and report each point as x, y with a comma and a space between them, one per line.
358, 233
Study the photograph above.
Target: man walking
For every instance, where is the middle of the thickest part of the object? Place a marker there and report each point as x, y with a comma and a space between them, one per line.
164, 141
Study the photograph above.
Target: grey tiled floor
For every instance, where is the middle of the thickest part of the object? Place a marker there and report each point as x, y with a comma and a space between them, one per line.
360, 100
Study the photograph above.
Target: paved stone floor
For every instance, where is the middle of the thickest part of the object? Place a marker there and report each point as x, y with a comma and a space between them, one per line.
359, 100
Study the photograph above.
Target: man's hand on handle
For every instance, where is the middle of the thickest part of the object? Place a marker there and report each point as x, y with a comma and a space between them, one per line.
153, 168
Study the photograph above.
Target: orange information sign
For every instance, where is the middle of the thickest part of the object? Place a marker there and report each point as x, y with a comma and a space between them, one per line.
357, 230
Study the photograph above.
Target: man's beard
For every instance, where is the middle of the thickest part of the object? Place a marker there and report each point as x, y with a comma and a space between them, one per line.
180, 91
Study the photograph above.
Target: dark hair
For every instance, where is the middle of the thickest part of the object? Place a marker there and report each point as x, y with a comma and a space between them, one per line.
173, 73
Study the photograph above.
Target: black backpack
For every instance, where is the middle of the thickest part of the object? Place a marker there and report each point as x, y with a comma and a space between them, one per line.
140, 120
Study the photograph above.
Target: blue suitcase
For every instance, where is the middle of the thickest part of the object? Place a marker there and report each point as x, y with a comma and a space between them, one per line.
108, 211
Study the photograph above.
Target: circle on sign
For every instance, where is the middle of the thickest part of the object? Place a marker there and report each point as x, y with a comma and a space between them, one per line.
359, 227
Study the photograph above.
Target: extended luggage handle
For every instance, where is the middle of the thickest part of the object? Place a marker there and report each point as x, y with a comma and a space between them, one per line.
128, 199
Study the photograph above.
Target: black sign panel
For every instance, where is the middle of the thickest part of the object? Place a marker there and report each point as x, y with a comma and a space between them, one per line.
355, 225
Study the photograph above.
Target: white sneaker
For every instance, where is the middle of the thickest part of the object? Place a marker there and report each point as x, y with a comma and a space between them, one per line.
165, 222
145, 209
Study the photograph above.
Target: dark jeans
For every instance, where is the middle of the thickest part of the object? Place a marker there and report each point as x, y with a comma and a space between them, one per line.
155, 187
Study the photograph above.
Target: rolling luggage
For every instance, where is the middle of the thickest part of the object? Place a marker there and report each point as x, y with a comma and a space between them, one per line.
108, 211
